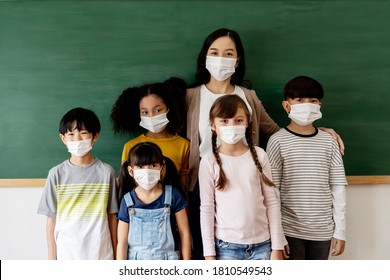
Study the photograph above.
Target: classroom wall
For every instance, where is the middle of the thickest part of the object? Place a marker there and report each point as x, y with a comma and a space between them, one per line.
22, 234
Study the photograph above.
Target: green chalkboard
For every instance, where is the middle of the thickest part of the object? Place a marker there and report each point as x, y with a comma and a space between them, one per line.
56, 55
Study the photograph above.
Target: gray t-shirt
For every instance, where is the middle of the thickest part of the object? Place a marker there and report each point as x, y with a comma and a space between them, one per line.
80, 198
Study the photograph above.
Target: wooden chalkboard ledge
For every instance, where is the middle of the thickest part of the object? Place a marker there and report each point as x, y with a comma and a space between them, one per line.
22, 182
39, 182
368, 180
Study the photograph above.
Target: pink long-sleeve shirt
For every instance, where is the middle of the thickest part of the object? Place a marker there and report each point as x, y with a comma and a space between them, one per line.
247, 211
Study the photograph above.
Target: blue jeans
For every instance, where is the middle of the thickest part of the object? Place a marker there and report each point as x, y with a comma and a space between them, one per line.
232, 251
301, 249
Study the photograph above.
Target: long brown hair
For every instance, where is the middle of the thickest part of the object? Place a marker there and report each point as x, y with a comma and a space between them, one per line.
226, 107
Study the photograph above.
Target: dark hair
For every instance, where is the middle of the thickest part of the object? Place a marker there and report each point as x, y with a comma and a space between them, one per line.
146, 153
226, 107
202, 75
125, 114
303, 87
84, 118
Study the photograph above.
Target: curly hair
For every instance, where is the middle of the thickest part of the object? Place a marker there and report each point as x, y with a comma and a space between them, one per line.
125, 114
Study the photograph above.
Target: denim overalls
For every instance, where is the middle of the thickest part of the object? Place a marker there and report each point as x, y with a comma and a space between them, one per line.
150, 234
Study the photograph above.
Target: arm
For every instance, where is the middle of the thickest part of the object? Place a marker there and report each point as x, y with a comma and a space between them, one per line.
267, 124
184, 169
184, 231
263, 124
125, 153
339, 210
272, 203
277, 255
113, 225
338, 185
275, 160
51, 243
207, 207
338, 246
336, 137
123, 233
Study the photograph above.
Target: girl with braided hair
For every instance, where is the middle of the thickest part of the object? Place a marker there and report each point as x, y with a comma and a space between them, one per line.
240, 207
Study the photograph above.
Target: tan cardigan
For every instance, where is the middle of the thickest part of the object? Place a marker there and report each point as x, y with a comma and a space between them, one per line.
262, 123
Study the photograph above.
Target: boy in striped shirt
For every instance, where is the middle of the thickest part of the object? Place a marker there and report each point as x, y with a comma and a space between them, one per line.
80, 195
308, 169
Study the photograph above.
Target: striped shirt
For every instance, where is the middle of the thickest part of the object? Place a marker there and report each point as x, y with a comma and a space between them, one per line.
309, 171
80, 198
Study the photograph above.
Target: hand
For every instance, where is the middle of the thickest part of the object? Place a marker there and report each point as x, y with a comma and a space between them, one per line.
286, 252
277, 254
336, 137
212, 258
338, 246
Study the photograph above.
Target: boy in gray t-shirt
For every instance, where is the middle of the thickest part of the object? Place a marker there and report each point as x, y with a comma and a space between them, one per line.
80, 195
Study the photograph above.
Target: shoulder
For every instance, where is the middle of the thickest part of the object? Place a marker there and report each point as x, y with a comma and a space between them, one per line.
208, 164
249, 93
192, 92
175, 192
182, 140
134, 141
177, 138
102, 166
277, 135
178, 201
208, 157
260, 152
277, 140
59, 168
328, 140
325, 135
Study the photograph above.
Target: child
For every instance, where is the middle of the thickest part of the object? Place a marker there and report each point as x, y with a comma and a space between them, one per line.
240, 210
160, 109
308, 169
80, 195
151, 209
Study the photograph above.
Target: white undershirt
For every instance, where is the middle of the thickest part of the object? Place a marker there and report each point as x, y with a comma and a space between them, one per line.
207, 99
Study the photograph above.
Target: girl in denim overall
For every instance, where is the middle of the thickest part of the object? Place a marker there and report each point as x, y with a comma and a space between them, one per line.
152, 217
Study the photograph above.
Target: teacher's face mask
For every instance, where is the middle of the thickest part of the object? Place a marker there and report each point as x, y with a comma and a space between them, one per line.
221, 68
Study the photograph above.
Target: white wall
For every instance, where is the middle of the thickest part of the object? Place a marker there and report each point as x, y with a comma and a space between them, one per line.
368, 223
23, 237
22, 234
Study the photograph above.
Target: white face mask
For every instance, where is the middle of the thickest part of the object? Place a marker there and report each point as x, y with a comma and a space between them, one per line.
79, 148
155, 124
147, 178
220, 68
305, 113
232, 134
